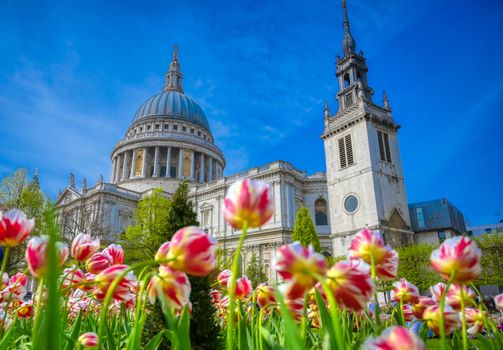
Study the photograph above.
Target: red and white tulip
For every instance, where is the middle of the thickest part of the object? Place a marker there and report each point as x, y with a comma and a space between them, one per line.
88, 340
172, 285
192, 251
264, 295
475, 320
299, 266
395, 338
432, 316
458, 257
106, 277
98, 262
14, 227
83, 246
405, 291
456, 293
116, 253
419, 307
248, 201
36, 255
243, 288
223, 278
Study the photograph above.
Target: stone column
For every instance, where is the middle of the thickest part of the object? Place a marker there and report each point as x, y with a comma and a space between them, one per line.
192, 165
201, 168
117, 168
112, 176
210, 177
124, 166
180, 163
168, 162
156, 162
132, 164
144, 166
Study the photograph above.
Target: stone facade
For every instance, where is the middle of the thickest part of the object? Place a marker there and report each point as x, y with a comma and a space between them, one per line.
169, 140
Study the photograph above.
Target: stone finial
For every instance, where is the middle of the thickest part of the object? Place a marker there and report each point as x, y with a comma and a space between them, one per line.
100, 179
72, 180
84, 185
327, 110
385, 101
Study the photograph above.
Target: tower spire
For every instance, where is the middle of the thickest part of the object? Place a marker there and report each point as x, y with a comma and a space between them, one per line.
174, 74
348, 43
35, 177
385, 100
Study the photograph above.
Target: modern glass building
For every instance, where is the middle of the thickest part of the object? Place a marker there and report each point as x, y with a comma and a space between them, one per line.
434, 221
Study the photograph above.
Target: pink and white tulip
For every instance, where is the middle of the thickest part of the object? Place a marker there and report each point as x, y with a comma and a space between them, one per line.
498, 302
248, 201
395, 338
299, 266
437, 291
83, 246
351, 284
456, 293
14, 227
116, 253
264, 295
36, 255
98, 262
244, 288
223, 278
475, 321
432, 316
419, 307
458, 257
88, 340
172, 285
192, 251
405, 291
106, 277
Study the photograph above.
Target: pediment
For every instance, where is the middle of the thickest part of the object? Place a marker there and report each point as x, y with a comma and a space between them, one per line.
396, 221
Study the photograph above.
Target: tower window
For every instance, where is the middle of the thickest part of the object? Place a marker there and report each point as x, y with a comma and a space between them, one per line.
346, 151
384, 148
156, 126
346, 80
166, 126
175, 127
320, 209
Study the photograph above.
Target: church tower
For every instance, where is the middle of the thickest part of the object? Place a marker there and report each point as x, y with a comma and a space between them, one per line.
364, 171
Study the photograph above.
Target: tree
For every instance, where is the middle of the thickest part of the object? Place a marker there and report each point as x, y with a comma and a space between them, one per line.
255, 272
491, 246
304, 230
141, 240
415, 265
204, 329
17, 192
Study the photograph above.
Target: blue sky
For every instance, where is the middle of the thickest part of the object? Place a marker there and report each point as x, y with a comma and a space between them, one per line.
72, 75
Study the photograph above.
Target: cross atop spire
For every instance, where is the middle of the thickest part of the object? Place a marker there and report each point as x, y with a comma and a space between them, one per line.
348, 43
174, 75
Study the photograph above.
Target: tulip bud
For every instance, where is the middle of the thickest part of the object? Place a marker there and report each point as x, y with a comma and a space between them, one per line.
83, 246
405, 291
432, 316
116, 253
248, 201
106, 277
98, 262
192, 251
223, 278
14, 228
173, 285
36, 255
88, 340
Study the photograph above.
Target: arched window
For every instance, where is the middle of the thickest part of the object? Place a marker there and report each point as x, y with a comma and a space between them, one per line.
320, 212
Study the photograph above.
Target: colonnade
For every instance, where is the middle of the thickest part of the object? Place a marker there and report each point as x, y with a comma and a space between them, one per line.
168, 162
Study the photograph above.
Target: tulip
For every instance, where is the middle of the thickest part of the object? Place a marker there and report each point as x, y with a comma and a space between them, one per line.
72, 276
432, 316
192, 251
88, 340
408, 313
395, 338
83, 246
172, 285
405, 292
25, 311
19, 278
419, 307
14, 228
116, 252
456, 293
248, 201
223, 278
295, 307
264, 295
162, 252
216, 296
459, 257
437, 291
475, 319
243, 288
98, 262
299, 266
351, 284
498, 302
106, 277
370, 247
36, 255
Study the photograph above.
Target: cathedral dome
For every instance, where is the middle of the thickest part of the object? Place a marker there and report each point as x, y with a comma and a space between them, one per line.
175, 105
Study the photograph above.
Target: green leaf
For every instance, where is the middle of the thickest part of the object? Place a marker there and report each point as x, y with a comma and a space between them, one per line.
154, 343
6, 339
75, 332
293, 339
327, 329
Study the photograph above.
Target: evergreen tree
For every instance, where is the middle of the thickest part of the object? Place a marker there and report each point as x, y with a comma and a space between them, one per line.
304, 230
255, 272
141, 240
204, 329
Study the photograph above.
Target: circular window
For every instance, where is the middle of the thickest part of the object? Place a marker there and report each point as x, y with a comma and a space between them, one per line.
351, 204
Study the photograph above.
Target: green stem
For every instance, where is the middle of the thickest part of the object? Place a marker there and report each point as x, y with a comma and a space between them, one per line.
463, 319
5, 261
304, 320
260, 341
38, 313
377, 309
401, 312
441, 324
334, 312
232, 289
